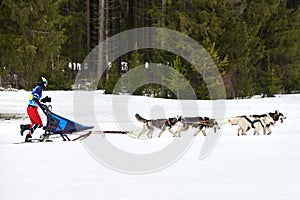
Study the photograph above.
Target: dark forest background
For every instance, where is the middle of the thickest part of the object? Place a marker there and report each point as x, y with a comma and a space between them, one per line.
254, 43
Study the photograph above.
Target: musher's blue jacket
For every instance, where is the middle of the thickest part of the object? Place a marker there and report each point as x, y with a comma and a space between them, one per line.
36, 93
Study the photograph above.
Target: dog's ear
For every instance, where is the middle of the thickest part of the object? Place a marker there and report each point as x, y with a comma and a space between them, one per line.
179, 118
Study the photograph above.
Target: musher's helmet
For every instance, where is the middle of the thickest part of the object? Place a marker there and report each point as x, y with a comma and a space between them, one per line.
42, 82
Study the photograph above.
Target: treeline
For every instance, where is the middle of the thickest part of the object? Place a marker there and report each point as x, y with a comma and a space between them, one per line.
254, 43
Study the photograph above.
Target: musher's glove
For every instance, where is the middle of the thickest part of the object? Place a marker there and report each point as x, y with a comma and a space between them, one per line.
46, 99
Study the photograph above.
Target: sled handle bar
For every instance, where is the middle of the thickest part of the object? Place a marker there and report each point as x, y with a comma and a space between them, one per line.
44, 107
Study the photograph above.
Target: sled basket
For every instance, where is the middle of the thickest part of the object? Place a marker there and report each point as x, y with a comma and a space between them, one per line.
59, 125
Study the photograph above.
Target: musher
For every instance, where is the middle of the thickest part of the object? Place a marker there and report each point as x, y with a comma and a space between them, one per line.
32, 109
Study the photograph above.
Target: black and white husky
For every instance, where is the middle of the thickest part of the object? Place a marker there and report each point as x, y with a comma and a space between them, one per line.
151, 124
199, 123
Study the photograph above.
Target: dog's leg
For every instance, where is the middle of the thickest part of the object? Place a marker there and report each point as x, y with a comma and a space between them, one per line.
264, 130
244, 128
150, 129
150, 132
198, 129
203, 131
163, 128
142, 131
238, 131
182, 127
243, 124
171, 131
255, 132
215, 127
269, 130
243, 131
174, 133
160, 133
177, 133
256, 129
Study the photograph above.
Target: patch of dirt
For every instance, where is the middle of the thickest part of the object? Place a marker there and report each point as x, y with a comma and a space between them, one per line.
10, 116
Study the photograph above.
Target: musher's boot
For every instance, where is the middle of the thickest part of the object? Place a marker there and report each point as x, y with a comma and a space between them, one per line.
28, 138
24, 127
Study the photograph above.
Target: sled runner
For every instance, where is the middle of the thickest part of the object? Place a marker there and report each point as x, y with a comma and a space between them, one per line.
79, 137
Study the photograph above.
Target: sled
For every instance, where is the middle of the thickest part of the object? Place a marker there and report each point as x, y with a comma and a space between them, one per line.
61, 126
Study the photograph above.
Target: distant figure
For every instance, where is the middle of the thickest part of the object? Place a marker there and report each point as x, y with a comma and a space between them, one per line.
32, 109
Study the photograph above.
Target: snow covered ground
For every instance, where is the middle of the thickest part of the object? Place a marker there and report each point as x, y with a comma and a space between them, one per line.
250, 167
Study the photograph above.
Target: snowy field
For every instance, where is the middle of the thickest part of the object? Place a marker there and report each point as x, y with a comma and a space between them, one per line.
249, 167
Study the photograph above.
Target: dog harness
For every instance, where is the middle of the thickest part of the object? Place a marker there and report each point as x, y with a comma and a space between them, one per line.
253, 122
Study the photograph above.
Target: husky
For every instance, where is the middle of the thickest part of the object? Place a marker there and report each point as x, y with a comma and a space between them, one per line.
200, 123
162, 124
276, 116
257, 122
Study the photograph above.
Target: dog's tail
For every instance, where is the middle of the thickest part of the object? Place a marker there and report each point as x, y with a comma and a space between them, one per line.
141, 119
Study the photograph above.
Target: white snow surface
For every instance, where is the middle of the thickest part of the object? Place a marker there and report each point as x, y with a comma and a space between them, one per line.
249, 167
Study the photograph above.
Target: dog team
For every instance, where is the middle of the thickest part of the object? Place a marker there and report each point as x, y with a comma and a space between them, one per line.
200, 124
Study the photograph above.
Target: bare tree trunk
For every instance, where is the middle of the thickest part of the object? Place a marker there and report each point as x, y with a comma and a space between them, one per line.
106, 28
163, 7
132, 23
88, 26
163, 23
115, 27
101, 20
101, 33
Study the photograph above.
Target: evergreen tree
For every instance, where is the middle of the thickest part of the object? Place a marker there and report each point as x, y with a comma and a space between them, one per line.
176, 82
109, 84
32, 38
255, 44
282, 40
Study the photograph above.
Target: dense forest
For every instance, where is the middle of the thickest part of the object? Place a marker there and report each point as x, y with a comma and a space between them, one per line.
254, 43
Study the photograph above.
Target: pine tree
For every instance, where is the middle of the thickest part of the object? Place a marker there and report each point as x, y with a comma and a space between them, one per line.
34, 30
282, 40
176, 82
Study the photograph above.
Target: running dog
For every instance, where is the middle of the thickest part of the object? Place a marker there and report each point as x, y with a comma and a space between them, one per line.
162, 124
257, 122
245, 123
200, 123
